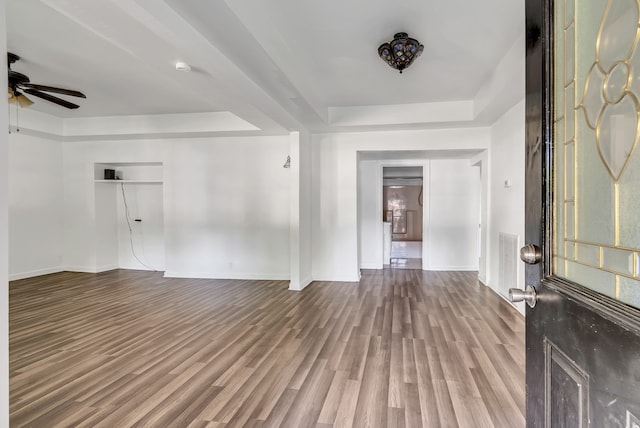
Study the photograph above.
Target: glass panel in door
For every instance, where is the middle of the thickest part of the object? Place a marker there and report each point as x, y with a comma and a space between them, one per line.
597, 161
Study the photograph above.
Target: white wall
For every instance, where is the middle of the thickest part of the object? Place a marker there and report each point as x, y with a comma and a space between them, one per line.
300, 215
451, 203
453, 231
4, 240
369, 209
306, 173
35, 206
81, 234
225, 202
106, 228
335, 188
507, 159
227, 208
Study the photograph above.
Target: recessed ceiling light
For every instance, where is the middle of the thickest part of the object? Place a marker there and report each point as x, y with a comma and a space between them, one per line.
183, 66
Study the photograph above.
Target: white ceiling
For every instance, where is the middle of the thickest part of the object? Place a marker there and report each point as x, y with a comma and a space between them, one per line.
273, 63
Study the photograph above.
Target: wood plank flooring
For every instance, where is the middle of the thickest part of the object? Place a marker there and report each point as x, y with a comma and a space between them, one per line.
402, 348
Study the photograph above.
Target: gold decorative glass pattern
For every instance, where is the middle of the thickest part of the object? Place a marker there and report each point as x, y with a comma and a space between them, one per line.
597, 127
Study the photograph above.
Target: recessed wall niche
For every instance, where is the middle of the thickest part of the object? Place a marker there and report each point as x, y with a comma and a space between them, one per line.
129, 216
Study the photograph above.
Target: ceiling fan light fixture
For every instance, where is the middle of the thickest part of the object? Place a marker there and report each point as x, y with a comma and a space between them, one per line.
22, 100
20, 82
400, 52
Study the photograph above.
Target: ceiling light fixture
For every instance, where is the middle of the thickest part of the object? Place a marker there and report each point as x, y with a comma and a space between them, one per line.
183, 66
400, 52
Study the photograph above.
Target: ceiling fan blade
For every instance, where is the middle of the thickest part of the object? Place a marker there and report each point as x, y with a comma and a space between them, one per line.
23, 100
54, 90
51, 98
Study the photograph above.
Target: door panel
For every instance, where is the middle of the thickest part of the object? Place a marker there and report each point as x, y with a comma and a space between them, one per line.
583, 335
566, 389
591, 364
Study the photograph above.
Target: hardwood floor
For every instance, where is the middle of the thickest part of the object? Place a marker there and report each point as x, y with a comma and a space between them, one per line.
402, 348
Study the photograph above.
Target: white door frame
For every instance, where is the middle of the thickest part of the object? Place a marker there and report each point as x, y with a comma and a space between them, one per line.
482, 162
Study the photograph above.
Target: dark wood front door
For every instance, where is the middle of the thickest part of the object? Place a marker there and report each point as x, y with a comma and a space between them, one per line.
583, 212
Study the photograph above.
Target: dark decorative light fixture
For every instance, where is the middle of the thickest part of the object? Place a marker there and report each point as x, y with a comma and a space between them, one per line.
400, 52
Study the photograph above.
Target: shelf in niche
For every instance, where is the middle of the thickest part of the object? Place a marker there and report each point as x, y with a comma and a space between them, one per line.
130, 181
129, 164
129, 172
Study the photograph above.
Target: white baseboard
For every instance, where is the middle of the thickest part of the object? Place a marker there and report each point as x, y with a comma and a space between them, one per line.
106, 268
371, 265
337, 278
227, 275
453, 268
86, 269
140, 267
168, 274
39, 272
303, 284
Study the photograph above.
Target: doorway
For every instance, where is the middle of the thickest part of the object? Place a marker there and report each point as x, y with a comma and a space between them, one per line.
402, 211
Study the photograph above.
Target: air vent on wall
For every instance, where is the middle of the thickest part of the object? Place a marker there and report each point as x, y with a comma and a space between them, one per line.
508, 262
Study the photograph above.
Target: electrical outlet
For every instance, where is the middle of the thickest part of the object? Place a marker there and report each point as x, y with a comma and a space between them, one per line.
632, 420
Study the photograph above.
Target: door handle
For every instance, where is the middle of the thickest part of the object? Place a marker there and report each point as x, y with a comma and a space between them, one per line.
528, 295
531, 254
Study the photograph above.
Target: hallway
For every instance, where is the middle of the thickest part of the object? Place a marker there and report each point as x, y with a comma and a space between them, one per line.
406, 255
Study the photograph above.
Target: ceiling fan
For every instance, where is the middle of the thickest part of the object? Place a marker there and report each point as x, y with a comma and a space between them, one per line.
19, 83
